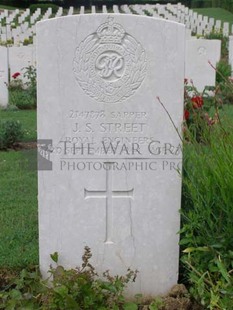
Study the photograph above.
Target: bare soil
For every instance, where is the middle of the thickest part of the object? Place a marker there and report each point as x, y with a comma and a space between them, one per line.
25, 146
179, 299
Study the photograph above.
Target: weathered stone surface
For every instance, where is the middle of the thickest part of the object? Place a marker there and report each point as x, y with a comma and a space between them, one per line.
200, 55
99, 77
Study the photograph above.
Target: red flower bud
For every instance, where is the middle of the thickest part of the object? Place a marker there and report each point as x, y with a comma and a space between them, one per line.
197, 102
15, 75
186, 114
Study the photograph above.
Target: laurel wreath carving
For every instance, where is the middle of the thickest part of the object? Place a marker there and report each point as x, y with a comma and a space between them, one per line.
105, 91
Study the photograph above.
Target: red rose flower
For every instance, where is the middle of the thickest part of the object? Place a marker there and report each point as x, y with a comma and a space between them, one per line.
197, 102
15, 75
186, 114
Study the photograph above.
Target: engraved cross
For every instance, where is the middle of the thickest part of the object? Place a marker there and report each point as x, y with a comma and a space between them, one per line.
108, 195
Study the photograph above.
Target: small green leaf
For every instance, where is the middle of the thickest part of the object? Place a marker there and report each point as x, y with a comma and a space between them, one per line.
61, 290
189, 250
130, 306
54, 257
203, 249
185, 241
223, 270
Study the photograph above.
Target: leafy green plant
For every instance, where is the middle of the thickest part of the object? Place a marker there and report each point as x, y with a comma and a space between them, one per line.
21, 98
224, 81
223, 71
44, 7
28, 41
197, 107
10, 133
23, 95
79, 288
31, 84
206, 234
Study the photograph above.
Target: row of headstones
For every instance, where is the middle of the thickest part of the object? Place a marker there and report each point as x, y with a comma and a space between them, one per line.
197, 68
20, 26
199, 71
196, 23
25, 30
17, 26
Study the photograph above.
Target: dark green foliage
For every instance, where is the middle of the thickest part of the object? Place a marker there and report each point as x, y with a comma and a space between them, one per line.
224, 4
15, 3
201, 3
10, 133
27, 119
21, 98
24, 95
223, 71
207, 230
79, 288
44, 7
224, 83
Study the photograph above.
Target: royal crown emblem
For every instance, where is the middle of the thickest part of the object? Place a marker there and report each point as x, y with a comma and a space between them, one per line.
110, 32
110, 65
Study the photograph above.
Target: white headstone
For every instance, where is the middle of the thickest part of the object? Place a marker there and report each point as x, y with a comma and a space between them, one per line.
104, 9
188, 33
20, 58
197, 67
93, 10
226, 27
82, 9
231, 53
115, 9
3, 38
100, 86
211, 21
3, 76
199, 29
205, 19
217, 26
71, 10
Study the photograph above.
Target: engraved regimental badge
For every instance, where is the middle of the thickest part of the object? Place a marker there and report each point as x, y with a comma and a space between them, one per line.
109, 64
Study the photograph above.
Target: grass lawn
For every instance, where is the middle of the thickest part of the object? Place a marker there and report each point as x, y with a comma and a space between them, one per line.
227, 113
18, 198
18, 210
7, 7
28, 120
216, 13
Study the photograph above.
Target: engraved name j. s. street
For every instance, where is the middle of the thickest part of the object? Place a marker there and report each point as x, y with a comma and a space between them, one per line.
110, 127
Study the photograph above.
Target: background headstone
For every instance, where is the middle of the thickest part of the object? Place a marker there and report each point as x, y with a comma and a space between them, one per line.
199, 55
20, 58
231, 53
3, 76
